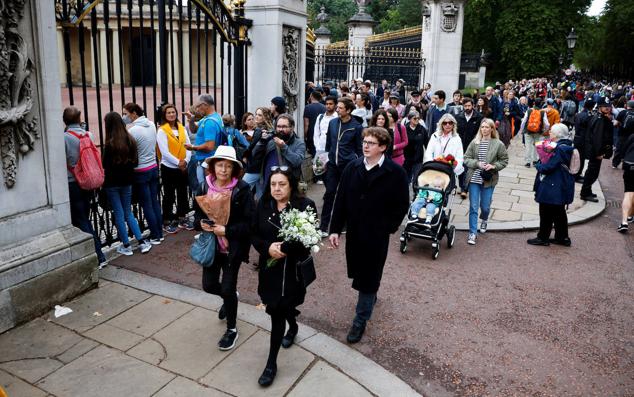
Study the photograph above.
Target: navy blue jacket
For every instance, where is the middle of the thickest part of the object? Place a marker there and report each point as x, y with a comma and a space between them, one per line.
344, 142
553, 183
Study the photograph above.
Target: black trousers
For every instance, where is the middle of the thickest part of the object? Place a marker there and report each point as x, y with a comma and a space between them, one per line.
331, 180
279, 317
174, 189
591, 175
550, 214
224, 286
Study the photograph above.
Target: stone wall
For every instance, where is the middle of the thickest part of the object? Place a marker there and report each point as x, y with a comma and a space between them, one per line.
43, 259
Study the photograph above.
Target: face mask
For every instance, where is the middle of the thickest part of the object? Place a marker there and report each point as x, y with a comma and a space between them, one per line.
126, 119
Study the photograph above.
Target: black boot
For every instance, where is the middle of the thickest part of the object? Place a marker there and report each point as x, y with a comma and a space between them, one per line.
267, 377
355, 334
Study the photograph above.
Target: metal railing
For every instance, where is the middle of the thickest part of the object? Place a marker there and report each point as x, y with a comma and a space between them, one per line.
149, 52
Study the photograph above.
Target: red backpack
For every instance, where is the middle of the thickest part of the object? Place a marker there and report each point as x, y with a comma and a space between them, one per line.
88, 171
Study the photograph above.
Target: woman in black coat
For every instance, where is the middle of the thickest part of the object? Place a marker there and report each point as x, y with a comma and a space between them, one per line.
417, 138
280, 286
224, 172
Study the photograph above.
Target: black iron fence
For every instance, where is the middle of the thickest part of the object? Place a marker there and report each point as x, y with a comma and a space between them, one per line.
149, 52
374, 63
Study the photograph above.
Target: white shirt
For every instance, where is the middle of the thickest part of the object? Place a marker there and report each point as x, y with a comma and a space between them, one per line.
368, 167
321, 130
167, 158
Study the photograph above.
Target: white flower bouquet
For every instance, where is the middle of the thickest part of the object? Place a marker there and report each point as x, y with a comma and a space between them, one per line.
299, 226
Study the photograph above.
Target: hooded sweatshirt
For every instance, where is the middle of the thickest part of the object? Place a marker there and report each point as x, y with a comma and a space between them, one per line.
144, 132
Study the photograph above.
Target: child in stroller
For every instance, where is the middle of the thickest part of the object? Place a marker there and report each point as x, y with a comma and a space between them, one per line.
428, 197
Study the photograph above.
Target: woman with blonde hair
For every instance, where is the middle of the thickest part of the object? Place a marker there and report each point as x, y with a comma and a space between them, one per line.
486, 155
446, 141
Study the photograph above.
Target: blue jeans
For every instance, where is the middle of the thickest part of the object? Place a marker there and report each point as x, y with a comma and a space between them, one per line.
254, 179
419, 203
365, 306
120, 198
146, 185
479, 196
80, 215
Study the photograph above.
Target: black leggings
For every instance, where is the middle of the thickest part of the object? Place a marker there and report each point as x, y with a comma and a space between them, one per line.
279, 317
550, 215
225, 287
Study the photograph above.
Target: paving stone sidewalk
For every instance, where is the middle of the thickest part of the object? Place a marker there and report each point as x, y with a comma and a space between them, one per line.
140, 336
514, 207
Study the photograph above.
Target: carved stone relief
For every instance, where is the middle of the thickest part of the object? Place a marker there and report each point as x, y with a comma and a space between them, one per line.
426, 17
290, 66
449, 17
18, 129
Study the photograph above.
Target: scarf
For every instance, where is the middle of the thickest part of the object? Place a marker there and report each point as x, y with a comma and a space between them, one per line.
221, 196
176, 145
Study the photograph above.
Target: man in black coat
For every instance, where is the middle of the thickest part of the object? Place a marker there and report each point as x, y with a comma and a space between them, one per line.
468, 124
371, 202
581, 126
597, 146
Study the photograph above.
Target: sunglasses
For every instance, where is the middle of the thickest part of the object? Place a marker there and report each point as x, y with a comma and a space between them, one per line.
447, 123
282, 168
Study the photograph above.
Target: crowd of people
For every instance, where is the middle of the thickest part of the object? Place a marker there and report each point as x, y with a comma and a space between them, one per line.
366, 147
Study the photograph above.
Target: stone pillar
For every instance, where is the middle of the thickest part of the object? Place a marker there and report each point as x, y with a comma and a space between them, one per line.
103, 56
360, 27
60, 57
442, 43
186, 58
278, 37
115, 57
43, 259
158, 65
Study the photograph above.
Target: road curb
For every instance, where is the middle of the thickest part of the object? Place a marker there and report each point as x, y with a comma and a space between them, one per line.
349, 361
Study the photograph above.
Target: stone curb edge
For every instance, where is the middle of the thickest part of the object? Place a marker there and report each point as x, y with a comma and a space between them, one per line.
584, 214
361, 369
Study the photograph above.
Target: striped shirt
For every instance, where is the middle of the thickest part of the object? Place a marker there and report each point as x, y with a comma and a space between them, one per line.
483, 148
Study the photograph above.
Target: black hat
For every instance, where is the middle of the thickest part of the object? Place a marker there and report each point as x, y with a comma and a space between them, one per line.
279, 102
604, 101
416, 92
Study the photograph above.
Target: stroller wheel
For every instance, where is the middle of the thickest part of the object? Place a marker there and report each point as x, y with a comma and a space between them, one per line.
451, 236
403, 247
435, 252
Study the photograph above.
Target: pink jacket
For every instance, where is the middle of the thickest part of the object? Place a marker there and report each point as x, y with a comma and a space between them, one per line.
400, 141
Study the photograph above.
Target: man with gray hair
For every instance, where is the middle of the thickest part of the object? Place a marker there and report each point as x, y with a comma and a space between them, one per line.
208, 133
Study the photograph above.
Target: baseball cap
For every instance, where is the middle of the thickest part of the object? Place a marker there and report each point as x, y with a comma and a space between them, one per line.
550, 101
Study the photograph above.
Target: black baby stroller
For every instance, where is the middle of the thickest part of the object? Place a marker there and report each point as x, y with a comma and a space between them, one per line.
439, 226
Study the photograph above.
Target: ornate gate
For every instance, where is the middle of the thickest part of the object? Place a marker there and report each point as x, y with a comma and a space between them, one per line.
150, 52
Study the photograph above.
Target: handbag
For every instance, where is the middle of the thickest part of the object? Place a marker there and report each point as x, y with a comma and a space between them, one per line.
486, 175
203, 251
307, 270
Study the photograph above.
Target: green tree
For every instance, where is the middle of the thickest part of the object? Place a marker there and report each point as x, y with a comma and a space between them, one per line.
339, 12
606, 44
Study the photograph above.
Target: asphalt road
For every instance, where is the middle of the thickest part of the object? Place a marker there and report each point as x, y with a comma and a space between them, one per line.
501, 318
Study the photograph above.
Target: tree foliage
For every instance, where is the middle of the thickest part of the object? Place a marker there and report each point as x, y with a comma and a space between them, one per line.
521, 37
606, 43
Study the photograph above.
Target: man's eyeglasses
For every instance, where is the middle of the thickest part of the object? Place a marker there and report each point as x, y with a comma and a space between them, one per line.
370, 143
282, 168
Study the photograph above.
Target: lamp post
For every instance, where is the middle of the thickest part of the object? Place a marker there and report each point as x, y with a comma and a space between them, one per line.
571, 41
561, 60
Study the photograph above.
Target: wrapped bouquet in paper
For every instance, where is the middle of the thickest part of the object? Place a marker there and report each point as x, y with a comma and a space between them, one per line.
216, 205
545, 150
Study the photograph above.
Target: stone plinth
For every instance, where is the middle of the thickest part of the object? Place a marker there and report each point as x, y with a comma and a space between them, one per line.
43, 259
277, 59
443, 23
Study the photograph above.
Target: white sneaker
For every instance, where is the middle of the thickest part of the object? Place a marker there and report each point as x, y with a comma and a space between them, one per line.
124, 250
155, 241
145, 247
103, 264
324, 234
320, 182
472, 239
483, 227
